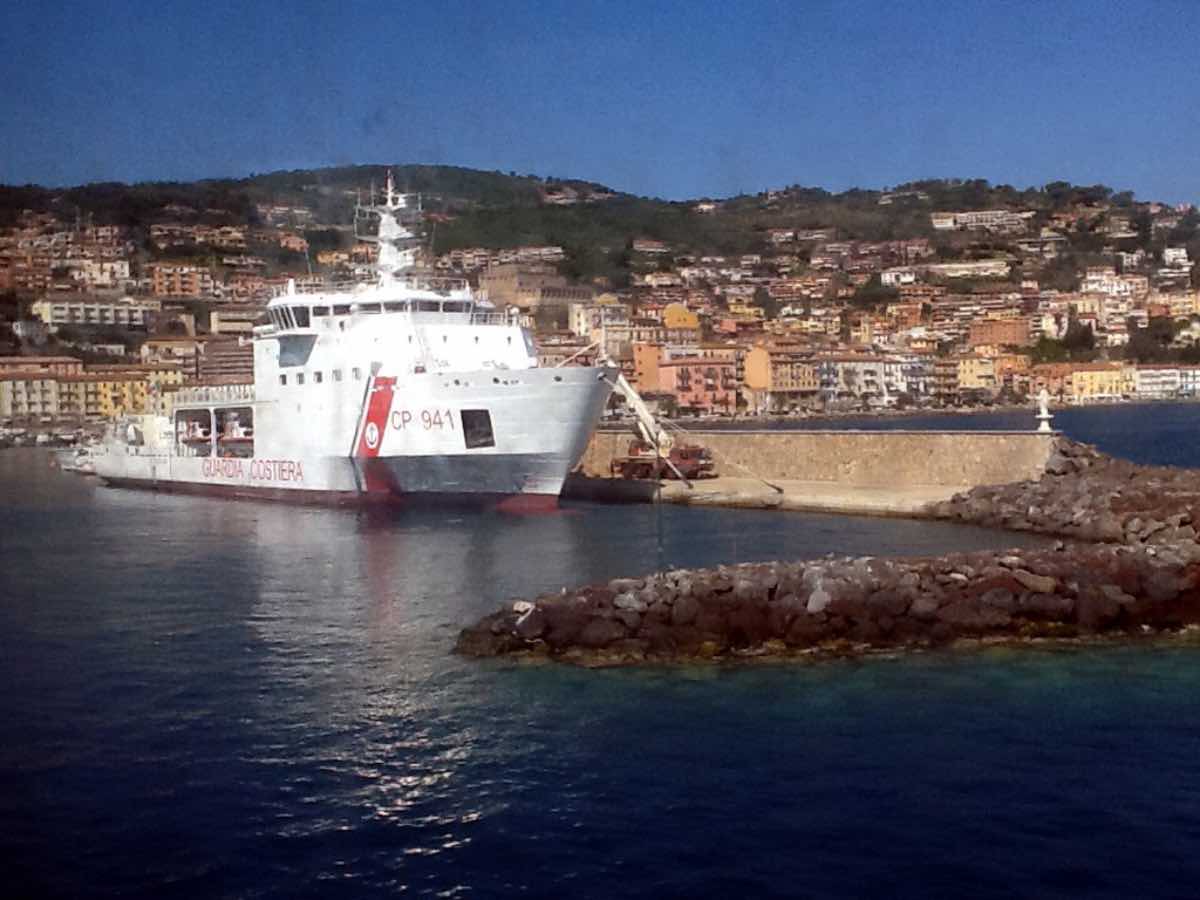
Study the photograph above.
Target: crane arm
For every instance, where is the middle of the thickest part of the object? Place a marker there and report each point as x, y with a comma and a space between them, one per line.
648, 428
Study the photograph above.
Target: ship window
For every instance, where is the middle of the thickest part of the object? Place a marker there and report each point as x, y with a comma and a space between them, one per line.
317, 378
367, 307
357, 373
477, 428
320, 310
193, 432
300, 313
399, 306
454, 306
235, 432
299, 378
337, 374
428, 305
342, 309
283, 379
287, 317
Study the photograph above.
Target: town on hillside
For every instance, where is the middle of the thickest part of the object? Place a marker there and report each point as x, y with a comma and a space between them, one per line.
930, 295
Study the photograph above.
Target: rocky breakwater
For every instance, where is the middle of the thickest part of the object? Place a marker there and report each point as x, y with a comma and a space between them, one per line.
1089, 496
853, 605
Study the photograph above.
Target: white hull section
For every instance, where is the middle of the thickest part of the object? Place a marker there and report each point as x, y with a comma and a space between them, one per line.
484, 433
404, 388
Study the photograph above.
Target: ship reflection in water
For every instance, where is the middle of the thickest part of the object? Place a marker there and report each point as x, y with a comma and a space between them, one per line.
244, 699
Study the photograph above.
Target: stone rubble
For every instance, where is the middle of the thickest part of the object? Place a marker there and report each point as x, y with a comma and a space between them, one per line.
1139, 574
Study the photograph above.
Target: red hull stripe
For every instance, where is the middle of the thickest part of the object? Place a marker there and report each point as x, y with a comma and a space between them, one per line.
379, 405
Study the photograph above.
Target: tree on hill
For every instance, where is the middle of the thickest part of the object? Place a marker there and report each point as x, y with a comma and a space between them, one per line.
874, 293
1152, 343
768, 304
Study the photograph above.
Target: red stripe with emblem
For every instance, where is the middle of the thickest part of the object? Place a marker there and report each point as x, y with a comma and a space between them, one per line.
379, 406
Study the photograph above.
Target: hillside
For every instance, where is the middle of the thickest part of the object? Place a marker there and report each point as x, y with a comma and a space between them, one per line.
596, 225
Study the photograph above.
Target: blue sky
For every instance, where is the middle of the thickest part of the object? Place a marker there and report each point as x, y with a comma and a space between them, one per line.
667, 99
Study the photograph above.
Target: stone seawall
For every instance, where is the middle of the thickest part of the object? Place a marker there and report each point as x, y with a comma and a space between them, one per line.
962, 459
864, 472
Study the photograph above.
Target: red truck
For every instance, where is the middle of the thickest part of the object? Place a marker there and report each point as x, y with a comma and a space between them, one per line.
691, 460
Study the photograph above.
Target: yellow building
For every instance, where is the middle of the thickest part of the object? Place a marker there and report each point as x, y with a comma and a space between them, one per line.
678, 316
1090, 382
976, 373
779, 378
742, 311
104, 395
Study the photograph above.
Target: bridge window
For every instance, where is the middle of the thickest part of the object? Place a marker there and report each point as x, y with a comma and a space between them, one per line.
396, 307
320, 310
477, 428
300, 313
367, 307
454, 306
429, 305
341, 309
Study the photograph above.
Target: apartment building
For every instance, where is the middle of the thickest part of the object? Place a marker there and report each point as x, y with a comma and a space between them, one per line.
58, 310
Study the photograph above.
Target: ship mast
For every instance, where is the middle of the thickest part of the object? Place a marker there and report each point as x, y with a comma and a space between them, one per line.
397, 244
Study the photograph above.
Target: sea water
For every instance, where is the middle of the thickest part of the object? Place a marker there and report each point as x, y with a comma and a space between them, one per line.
205, 698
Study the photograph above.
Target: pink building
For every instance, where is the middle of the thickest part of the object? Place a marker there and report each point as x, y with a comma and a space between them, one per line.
699, 385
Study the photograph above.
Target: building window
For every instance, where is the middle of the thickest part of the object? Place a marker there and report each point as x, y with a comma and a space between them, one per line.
477, 428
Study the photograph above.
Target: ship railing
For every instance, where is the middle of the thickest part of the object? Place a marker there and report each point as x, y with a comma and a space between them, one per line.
493, 318
220, 393
438, 284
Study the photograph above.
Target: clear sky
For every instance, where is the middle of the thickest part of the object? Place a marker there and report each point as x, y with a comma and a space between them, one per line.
674, 100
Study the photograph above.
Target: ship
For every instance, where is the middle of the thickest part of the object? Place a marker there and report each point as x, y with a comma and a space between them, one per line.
405, 388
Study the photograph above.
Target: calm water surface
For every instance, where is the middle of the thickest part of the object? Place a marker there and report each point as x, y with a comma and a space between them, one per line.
215, 699
1162, 434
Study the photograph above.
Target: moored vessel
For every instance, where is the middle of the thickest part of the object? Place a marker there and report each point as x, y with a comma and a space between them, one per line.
402, 389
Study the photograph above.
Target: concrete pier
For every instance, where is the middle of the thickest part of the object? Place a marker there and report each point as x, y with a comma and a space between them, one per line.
896, 473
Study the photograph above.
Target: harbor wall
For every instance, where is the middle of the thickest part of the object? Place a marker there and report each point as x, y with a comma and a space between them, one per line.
867, 459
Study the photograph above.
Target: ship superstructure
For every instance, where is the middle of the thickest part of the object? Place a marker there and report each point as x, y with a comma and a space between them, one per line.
406, 387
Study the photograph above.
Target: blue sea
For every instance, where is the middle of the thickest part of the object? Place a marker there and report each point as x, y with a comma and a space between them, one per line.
205, 698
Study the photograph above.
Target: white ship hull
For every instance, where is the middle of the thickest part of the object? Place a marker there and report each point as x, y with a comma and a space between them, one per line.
401, 390
405, 443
